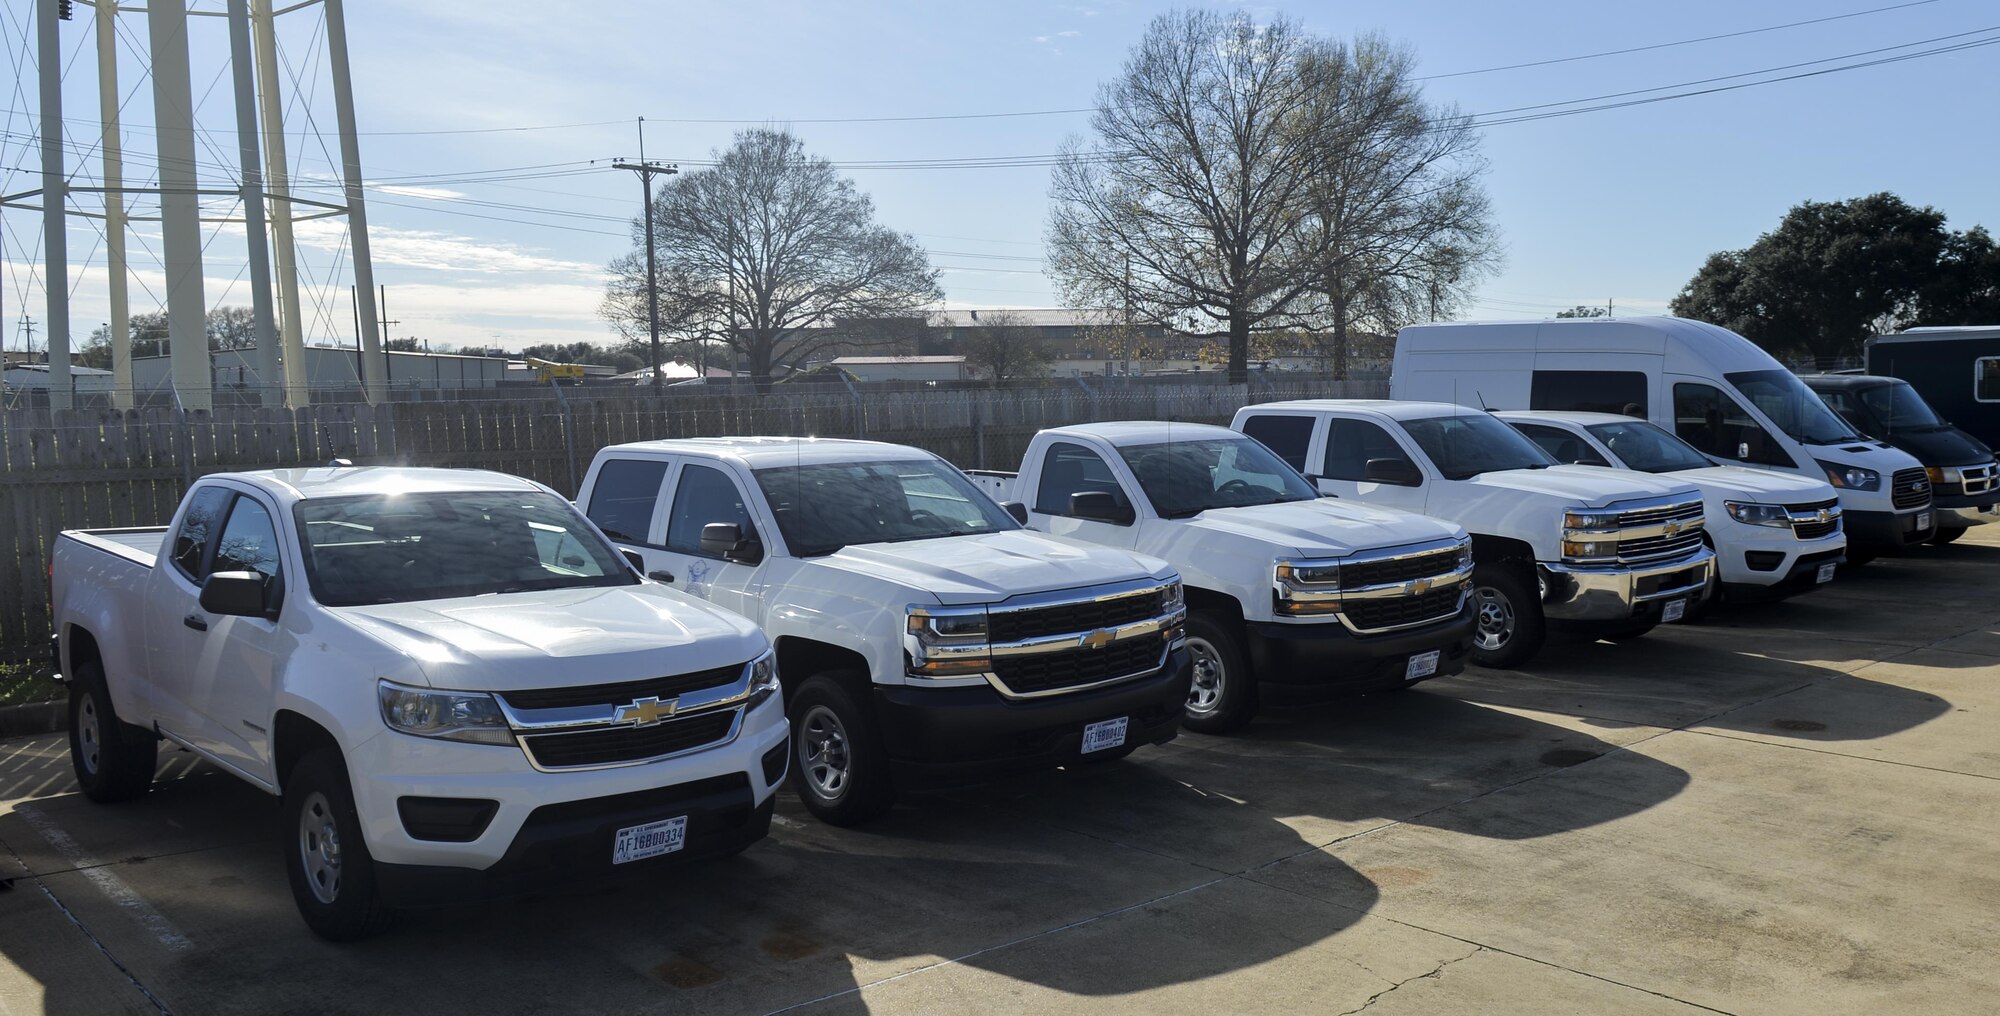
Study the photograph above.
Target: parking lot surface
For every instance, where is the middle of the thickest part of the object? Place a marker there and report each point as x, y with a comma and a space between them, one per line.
1785, 809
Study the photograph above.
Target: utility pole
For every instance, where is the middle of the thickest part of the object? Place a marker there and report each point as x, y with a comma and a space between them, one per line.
383, 305
1609, 306
646, 171
28, 344
55, 200
1128, 316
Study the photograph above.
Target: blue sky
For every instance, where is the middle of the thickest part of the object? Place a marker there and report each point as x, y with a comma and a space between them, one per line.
1622, 204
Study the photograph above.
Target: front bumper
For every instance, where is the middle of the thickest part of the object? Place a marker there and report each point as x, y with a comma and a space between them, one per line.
1801, 577
389, 766
1621, 594
1962, 511
1778, 550
948, 736
1331, 658
1881, 531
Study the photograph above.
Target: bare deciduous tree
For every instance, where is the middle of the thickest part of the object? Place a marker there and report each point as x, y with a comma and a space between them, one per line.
1005, 347
768, 251
1191, 198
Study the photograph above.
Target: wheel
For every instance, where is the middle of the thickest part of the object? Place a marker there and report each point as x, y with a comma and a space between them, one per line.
1944, 536
1224, 694
1628, 632
839, 767
114, 760
326, 857
1511, 627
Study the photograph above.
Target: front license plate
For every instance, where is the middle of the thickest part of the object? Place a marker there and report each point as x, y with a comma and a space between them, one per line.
1673, 611
1923, 520
636, 843
1104, 734
1421, 665
1825, 572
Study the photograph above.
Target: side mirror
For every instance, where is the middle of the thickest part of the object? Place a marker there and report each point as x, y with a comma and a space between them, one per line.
633, 558
1018, 510
726, 541
1100, 506
1742, 449
235, 594
1396, 472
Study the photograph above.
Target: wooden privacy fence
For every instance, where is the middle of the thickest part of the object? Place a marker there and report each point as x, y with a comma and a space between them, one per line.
103, 468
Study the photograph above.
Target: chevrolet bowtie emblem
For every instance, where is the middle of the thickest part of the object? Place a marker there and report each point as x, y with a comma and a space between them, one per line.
1418, 587
647, 711
1825, 515
1097, 639
1673, 526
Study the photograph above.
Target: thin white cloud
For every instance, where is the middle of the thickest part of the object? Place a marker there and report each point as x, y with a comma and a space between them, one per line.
440, 251
1068, 34
429, 193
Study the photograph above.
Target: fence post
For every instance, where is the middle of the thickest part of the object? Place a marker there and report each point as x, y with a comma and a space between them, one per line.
1089, 397
569, 434
860, 407
978, 439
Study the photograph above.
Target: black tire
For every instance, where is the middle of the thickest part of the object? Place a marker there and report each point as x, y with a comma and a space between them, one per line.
1223, 696
1944, 536
114, 760
1511, 627
1628, 632
840, 769
326, 857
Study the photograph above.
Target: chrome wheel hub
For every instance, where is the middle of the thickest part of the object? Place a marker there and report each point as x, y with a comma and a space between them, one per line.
1205, 694
823, 752
319, 847
89, 736
1496, 618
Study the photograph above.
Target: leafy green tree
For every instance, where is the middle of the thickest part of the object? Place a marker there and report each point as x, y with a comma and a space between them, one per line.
1584, 311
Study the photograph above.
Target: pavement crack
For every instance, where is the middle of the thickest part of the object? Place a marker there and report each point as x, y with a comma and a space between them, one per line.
84, 930
1428, 974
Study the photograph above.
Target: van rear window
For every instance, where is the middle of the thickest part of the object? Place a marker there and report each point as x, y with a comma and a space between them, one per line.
1590, 391
1986, 379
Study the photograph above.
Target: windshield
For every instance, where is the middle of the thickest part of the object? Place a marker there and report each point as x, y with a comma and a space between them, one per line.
1467, 445
1184, 478
1649, 449
1780, 395
823, 507
1900, 408
399, 548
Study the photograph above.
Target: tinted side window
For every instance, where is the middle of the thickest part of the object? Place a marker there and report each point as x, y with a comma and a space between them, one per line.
704, 495
1561, 445
249, 541
1711, 421
1351, 443
621, 503
197, 523
1986, 379
1849, 409
1590, 391
1289, 436
1069, 469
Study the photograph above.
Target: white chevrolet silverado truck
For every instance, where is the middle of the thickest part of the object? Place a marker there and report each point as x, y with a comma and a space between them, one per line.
923, 636
1283, 586
1774, 534
1608, 552
455, 684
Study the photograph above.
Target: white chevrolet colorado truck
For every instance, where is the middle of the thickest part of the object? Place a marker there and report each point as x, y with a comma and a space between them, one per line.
1774, 534
1283, 586
923, 636
454, 683
1607, 552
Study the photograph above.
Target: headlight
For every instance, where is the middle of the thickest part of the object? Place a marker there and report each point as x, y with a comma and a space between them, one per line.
1173, 599
1309, 573
1850, 477
1583, 520
763, 678
1306, 588
1465, 555
1587, 550
470, 716
1752, 514
948, 627
950, 642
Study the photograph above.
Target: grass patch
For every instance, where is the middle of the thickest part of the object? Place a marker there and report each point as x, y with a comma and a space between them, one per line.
27, 682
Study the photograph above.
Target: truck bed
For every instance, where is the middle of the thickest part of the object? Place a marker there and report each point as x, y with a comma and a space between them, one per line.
139, 546
998, 485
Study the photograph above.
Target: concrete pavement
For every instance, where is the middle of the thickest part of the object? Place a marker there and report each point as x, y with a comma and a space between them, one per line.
1788, 809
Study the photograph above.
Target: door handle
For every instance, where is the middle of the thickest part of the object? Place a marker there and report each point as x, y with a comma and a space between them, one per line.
196, 621
661, 575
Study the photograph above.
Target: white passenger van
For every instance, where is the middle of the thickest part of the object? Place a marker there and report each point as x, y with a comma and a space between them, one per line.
1709, 385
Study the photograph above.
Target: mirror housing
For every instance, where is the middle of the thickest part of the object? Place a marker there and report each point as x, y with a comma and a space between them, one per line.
237, 594
726, 541
1016, 509
1396, 472
1100, 506
633, 558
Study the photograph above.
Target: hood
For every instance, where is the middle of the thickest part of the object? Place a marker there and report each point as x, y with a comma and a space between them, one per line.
991, 567
1589, 486
1762, 485
1326, 527
1947, 447
558, 637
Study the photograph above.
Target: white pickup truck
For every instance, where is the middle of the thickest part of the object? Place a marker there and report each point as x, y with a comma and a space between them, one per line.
1774, 534
1283, 586
1609, 552
455, 684
923, 636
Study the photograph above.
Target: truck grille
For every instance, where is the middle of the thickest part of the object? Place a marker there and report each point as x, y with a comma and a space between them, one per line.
1910, 489
1072, 668
1980, 479
1659, 548
623, 692
1684, 512
1436, 605
616, 745
1815, 530
1068, 618
1397, 569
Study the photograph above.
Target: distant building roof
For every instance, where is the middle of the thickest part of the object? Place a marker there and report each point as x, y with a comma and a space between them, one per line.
43, 368
874, 361
1039, 317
